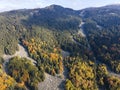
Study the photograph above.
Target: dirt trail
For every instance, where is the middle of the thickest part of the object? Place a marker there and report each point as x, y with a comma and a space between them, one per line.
21, 53
51, 83
80, 31
99, 27
54, 82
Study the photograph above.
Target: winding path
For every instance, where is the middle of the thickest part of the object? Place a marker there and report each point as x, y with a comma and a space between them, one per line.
57, 82
21, 53
51, 82
82, 33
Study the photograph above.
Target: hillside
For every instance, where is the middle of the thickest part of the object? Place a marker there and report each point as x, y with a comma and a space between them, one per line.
79, 48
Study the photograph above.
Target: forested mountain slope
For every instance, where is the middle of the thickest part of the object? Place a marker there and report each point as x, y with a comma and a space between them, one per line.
91, 38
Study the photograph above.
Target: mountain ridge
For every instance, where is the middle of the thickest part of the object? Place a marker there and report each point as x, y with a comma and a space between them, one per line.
53, 6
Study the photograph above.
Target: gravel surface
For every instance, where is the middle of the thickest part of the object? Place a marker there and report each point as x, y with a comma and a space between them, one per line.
21, 53
80, 31
55, 82
51, 83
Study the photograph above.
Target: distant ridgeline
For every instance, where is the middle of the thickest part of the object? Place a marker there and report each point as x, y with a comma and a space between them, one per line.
94, 61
